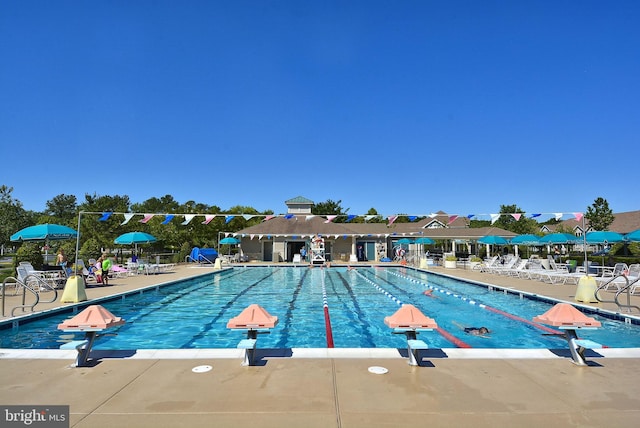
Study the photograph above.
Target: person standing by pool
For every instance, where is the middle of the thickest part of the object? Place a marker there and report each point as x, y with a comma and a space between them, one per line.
61, 260
106, 265
303, 254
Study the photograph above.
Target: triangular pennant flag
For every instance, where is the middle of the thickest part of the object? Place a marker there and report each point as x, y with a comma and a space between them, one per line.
251, 236
516, 216
452, 218
269, 217
260, 237
208, 218
188, 218
535, 215
392, 218
350, 217
432, 215
330, 218
578, 216
228, 218
470, 216
309, 217
412, 217
146, 218
127, 217
168, 218
289, 216
369, 217
248, 216
105, 216
494, 217
558, 215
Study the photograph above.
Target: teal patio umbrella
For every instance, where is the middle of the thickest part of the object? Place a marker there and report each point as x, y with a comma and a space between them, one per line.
44, 232
493, 240
604, 237
135, 238
228, 241
633, 236
526, 239
560, 238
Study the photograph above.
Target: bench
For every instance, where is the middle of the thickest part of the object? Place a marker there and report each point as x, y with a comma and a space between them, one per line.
249, 346
83, 348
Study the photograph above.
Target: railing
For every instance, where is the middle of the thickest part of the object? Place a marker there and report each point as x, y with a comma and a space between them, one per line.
25, 287
626, 289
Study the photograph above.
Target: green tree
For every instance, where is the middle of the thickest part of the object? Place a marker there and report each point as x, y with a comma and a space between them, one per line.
599, 215
330, 207
62, 209
508, 222
13, 216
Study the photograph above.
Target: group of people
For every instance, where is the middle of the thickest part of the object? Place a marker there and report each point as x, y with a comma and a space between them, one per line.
100, 269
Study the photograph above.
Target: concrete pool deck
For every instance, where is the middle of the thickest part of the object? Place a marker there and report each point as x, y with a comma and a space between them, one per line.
486, 388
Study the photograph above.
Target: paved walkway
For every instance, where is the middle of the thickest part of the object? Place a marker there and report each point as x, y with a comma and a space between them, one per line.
481, 389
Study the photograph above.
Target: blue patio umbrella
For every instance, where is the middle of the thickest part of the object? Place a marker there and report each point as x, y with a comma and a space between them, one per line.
44, 232
604, 237
404, 241
229, 241
559, 238
493, 240
424, 240
135, 238
526, 239
633, 236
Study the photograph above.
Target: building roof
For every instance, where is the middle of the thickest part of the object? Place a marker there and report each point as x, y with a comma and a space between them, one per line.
299, 200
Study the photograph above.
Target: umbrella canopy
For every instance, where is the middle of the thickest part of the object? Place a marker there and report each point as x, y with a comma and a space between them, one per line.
559, 238
603, 237
633, 236
229, 240
526, 239
424, 240
404, 241
493, 240
44, 232
134, 238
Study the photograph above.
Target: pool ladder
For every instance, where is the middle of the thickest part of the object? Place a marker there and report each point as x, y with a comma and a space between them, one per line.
27, 285
626, 289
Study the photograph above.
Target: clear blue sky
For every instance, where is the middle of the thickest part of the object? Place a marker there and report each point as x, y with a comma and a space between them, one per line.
407, 107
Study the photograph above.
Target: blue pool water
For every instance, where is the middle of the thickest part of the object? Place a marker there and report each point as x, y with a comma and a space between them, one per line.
193, 313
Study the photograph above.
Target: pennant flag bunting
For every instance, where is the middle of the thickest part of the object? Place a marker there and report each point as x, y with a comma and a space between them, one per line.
168, 218
146, 218
369, 217
452, 218
516, 216
309, 217
289, 216
392, 218
470, 216
248, 216
208, 218
432, 215
105, 216
494, 217
558, 215
269, 217
187, 219
350, 217
228, 218
578, 216
127, 217
412, 217
330, 218
535, 215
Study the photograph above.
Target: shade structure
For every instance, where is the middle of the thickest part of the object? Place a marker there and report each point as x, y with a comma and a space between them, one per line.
135, 238
604, 237
633, 236
526, 239
229, 241
44, 232
559, 238
493, 240
404, 241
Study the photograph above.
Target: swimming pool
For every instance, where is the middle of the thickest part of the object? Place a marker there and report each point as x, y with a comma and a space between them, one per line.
193, 313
